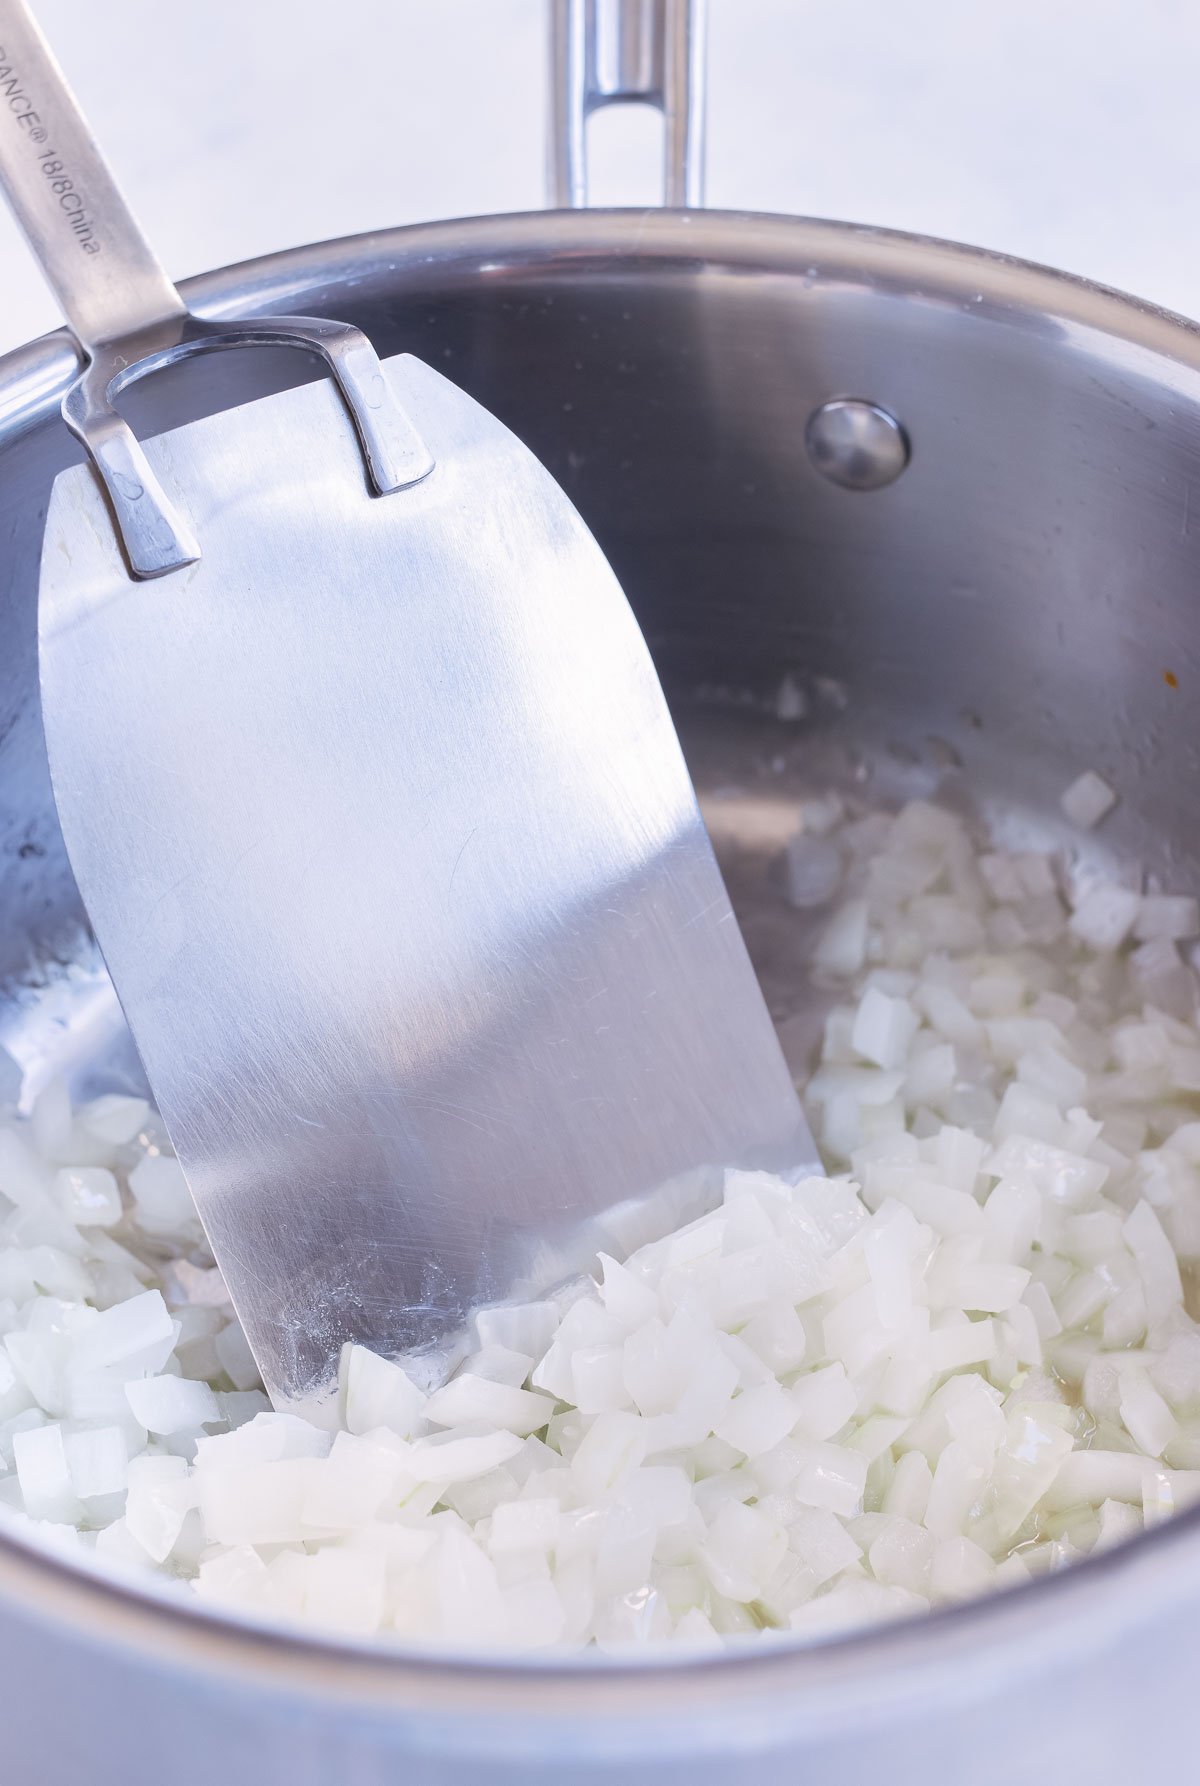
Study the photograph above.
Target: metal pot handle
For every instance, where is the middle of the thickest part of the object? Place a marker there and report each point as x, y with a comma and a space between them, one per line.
607, 52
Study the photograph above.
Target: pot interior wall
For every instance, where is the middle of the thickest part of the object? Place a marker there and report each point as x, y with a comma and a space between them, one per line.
1019, 605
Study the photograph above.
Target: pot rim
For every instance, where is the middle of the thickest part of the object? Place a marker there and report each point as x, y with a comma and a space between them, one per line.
928, 269
966, 1650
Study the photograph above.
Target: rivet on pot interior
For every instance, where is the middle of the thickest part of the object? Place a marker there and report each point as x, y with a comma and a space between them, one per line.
856, 444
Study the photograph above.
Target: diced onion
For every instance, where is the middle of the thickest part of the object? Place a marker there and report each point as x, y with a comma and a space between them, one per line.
823, 1403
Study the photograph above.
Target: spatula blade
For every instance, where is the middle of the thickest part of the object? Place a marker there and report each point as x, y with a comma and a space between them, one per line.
386, 835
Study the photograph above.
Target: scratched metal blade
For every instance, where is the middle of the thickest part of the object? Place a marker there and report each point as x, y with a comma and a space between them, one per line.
386, 835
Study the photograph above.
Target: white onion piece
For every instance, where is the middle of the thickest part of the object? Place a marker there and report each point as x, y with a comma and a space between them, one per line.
172, 1404
1088, 799
813, 870
1172, 916
114, 1118
160, 1190
1104, 916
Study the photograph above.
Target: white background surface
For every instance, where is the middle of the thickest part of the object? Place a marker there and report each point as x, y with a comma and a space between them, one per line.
1063, 130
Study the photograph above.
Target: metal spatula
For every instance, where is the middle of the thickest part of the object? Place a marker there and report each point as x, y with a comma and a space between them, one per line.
376, 807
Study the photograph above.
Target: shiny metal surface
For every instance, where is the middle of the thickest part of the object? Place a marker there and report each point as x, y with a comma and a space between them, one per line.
856, 444
154, 531
382, 826
128, 317
397, 868
86, 240
997, 619
607, 52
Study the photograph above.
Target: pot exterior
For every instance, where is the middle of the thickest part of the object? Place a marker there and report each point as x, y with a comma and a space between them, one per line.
1081, 1679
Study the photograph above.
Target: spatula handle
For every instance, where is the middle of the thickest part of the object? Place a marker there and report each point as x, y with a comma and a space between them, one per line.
100, 266
130, 319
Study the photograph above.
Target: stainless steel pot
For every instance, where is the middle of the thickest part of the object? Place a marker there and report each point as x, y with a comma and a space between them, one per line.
1019, 603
